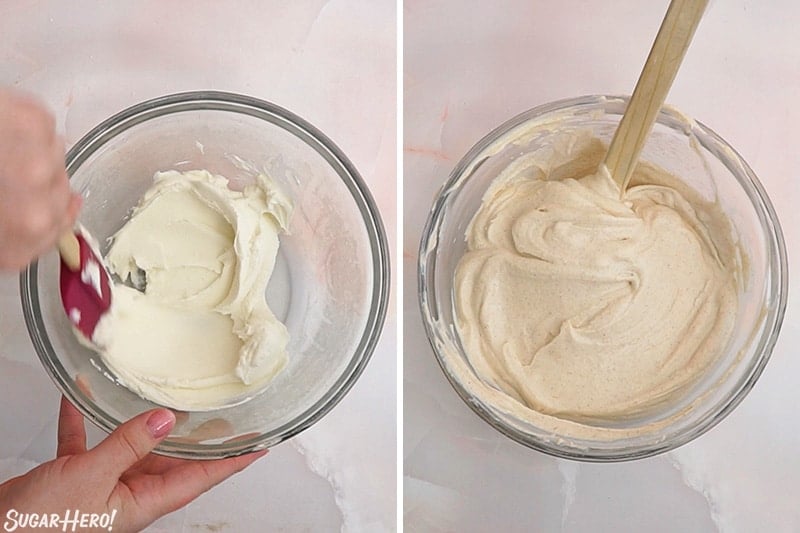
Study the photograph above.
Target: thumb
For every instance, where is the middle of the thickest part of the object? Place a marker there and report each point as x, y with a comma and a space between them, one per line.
132, 441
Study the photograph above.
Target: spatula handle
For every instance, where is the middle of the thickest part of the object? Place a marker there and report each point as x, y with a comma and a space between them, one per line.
70, 250
659, 71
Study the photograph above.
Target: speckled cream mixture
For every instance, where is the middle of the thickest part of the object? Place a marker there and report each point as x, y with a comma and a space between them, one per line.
582, 305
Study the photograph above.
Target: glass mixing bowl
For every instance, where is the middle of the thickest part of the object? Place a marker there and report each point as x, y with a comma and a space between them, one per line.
330, 284
686, 149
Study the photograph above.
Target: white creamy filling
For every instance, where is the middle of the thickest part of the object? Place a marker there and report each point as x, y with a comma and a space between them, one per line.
201, 335
584, 306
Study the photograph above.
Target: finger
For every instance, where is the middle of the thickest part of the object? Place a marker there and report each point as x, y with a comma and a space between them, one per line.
130, 443
84, 385
32, 118
210, 429
243, 437
188, 480
60, 196
74, 207
156, 465
67, 221
57, 174
159, 464
57, 150
71, 431
59, 220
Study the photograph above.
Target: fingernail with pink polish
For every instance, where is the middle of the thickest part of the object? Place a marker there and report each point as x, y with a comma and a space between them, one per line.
160, 423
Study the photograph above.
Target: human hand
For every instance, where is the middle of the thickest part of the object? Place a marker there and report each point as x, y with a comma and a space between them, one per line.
118, 474
36, 204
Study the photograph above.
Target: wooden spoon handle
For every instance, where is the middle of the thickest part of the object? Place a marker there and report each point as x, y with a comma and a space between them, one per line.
70, 250
656, 78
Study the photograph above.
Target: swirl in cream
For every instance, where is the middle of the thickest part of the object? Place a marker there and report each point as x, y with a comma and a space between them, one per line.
586, 306
201, 335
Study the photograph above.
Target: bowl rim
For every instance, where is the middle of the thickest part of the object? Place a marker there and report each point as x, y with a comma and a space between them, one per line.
238, 103
773, 320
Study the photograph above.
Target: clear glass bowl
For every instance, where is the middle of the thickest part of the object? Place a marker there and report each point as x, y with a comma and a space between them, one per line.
331, 280
683, 147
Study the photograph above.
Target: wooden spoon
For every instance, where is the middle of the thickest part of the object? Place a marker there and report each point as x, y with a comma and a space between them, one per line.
659, 71
85, 285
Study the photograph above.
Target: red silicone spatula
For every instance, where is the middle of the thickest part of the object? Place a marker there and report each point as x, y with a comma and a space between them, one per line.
85, 287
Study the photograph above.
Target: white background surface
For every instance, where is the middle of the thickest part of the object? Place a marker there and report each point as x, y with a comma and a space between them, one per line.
469, 66
333, 63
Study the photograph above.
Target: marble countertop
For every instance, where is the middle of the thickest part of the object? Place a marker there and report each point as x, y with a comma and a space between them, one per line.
469, 66
90, 59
